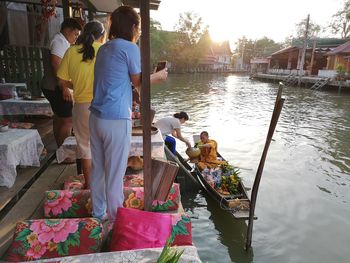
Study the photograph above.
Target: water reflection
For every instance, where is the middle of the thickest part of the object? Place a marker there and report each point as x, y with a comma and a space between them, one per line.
305, 190
229, 232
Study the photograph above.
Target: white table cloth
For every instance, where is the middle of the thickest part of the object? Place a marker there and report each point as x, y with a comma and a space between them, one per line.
18, 147
69, 146
25, 107
148, 255
7, 90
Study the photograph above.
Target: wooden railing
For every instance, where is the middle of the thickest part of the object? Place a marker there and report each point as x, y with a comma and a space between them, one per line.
23, 64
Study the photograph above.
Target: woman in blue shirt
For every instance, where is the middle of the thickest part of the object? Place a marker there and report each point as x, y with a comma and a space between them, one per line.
117, 68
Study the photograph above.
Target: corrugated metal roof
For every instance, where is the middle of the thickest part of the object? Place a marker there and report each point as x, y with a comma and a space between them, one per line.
284, 50
344, 48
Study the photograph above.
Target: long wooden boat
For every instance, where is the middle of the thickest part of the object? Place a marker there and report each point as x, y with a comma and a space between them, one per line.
238, 205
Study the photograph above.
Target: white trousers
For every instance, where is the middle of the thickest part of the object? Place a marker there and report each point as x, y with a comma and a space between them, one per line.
80, 118
110, 145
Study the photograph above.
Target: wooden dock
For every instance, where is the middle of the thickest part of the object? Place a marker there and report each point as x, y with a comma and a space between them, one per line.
308, 81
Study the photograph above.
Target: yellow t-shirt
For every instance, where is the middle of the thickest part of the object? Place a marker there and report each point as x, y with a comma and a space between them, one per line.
81, 73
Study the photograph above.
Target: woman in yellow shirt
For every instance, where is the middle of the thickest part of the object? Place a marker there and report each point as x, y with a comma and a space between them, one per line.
77, 70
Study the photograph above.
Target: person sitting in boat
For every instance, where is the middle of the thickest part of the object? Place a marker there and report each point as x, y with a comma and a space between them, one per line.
172, 125
208, 156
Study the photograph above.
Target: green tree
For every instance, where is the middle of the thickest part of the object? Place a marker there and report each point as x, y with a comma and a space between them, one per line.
313, 32
341, 21
187, 49
265, 47
191, 24
248, 48
158, 42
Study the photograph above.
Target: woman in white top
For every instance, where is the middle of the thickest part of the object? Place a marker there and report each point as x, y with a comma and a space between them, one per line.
172, 125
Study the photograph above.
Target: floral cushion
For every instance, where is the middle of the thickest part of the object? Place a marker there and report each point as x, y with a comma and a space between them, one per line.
152, 231
134, 198
133, 180
74, 182
77, 203
67, 203
50, 238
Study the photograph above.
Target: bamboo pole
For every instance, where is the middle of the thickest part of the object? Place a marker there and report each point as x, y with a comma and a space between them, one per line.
274, 119
146, 102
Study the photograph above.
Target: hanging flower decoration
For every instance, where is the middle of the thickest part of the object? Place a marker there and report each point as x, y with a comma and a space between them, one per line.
48, 9
78, 13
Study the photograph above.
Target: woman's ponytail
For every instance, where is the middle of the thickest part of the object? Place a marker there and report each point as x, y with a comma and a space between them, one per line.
181, 115
91, 32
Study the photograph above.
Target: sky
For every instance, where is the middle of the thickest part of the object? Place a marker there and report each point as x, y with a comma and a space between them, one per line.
255, 19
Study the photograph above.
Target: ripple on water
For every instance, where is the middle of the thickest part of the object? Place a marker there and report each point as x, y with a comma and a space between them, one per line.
302, 205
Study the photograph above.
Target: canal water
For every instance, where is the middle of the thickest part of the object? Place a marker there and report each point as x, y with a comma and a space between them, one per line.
303, 203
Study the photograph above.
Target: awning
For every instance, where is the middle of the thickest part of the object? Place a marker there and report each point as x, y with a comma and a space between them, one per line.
107, 6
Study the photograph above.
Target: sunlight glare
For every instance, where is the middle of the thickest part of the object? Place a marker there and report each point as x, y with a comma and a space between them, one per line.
218, 35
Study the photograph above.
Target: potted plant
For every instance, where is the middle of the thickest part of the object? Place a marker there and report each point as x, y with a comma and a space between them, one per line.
340, 69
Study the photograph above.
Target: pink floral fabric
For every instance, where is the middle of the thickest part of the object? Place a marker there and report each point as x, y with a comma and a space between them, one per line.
134, 198
74, 182
50, 238
67, 203
133, 180
54, 230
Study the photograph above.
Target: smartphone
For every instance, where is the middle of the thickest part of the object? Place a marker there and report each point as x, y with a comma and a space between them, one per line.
161, 65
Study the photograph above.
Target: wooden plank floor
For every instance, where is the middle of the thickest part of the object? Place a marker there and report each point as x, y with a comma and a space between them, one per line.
30, 205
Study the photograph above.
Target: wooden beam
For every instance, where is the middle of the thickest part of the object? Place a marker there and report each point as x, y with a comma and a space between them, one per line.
67, 11
146, 102
273, 123
90, 6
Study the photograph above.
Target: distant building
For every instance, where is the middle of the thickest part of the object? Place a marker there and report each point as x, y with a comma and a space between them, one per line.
259, 64
218, 57
339, 55
287, 60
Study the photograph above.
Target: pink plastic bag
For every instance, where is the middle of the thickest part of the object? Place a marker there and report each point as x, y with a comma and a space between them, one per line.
135, 229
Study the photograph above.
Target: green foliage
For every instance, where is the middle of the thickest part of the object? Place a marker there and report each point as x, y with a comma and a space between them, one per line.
341, 21
249, 48
183, 48
314, 29
191, 24
340, 68
230, 179
169, 254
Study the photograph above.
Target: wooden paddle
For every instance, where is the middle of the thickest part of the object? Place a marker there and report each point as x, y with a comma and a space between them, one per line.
274, 119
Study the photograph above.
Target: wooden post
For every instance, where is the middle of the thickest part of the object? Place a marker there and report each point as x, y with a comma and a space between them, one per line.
312, 56
146, 102
302, 60
274, 119
90, 15
67, 11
